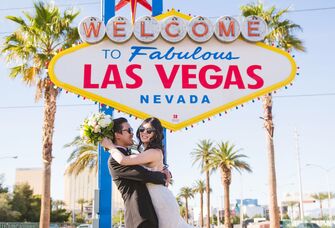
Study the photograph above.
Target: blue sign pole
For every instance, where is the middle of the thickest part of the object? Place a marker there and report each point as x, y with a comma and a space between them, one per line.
157, 7
165, 146
104, 183
104, 178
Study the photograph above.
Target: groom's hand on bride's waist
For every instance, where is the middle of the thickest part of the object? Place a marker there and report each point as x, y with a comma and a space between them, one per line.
168, 176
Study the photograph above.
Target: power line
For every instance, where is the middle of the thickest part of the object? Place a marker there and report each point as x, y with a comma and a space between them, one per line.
41, 106
311, 9
306, 95
83, 105
296, 11
60, 5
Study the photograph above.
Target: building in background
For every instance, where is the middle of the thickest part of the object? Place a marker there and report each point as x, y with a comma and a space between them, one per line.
77, 187
290, 205
82, 186
250, 208
117, 201
31, 176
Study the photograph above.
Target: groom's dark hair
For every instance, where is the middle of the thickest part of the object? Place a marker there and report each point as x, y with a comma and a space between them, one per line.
117, 125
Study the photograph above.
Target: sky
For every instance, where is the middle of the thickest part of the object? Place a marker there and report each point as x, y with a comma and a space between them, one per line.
307, 106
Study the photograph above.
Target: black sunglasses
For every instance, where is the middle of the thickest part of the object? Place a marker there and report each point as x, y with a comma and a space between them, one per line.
129, 130
148, 130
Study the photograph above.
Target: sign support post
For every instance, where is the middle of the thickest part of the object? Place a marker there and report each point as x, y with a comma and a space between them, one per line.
104, 178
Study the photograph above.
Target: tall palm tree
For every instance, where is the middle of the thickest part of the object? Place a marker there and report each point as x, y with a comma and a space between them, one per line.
281, 34
200, 187
84, 155
201, 154
186, 193
226, 158
81, 202
321, 196
29, 49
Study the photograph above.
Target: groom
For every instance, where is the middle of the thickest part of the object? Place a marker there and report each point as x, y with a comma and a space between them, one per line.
130, 180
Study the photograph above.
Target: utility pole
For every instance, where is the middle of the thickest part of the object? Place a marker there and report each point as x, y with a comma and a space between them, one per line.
299, 175
241, 204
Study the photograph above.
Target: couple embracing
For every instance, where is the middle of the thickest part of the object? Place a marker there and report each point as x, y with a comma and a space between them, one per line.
141, 178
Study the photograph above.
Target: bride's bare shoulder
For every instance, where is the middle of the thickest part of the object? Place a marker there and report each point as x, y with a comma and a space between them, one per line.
152, 150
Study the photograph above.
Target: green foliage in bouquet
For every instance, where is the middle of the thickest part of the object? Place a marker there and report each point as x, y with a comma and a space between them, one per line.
96, 127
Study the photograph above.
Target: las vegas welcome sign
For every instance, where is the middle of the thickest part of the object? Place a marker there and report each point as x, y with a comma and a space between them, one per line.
174, 67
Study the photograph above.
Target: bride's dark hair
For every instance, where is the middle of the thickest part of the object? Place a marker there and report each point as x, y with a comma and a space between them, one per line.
156, 141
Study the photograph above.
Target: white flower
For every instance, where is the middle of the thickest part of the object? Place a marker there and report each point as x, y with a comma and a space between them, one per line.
92, 122
97, 129
102, 123
108, 119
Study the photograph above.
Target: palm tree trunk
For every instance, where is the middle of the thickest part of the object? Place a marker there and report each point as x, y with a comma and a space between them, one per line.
226, 180
201, 222
48, 129
208, 201
269, 127
321, 211
186, 214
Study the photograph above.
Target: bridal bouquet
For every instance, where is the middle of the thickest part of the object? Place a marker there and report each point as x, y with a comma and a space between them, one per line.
96, 127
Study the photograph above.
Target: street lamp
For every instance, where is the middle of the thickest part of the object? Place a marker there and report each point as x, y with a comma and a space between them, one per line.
328, 183
13, 157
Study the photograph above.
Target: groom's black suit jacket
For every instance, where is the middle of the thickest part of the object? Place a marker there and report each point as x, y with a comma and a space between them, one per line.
130, 181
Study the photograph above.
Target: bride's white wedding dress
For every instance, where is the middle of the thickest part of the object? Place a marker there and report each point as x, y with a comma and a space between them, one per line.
166, 207
165, 203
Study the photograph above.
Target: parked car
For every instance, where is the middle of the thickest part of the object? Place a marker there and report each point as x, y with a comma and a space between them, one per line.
246, 222
85, 226
308, 225
52, 225
281, 224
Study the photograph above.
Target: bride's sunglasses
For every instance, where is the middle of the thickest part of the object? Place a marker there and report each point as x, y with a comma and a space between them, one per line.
148, 130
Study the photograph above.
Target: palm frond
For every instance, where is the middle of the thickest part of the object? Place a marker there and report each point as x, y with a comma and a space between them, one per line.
225, 156
29, 47
280, 30
83, 156
202, 151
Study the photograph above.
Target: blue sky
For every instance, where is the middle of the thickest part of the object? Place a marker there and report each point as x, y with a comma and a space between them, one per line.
312, 114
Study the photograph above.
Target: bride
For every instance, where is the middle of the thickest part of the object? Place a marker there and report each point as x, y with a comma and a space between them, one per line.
150, 136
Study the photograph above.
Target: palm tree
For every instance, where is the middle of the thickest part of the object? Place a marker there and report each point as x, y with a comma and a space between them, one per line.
226, 158
81, 202
58, 204
321, 196
84, 155
30, 48
201, 154
281, 33
182, 209
186, 193
200, 187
